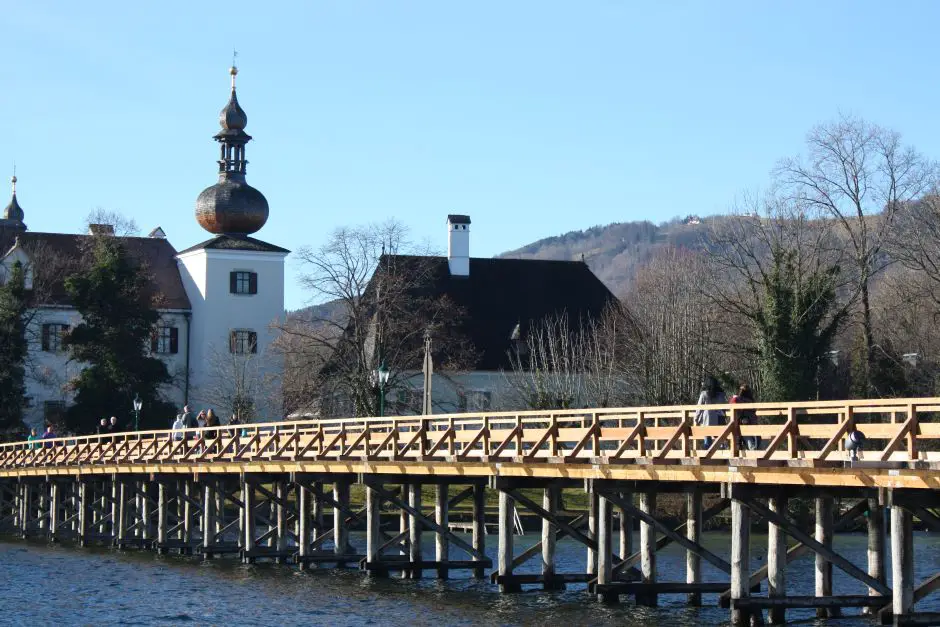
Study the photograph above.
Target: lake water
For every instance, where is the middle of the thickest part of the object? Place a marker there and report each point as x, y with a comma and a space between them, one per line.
45, 584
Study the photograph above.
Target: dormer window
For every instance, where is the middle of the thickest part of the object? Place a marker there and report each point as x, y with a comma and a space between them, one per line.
243, 282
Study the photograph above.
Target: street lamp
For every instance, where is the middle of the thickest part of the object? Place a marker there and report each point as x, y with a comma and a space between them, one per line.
381, 376
137, 405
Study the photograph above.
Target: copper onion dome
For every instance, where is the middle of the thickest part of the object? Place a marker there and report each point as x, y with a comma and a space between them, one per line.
232, 206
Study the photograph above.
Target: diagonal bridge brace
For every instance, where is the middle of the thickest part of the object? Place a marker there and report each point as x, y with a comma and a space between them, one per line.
687, 544
427, 522
555, 520
799, 535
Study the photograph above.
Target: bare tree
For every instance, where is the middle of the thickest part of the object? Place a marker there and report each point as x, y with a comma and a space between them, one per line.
121, 225
915, 242
239, 384
376, 290
859, 175
674, 343
776, 275
548, 365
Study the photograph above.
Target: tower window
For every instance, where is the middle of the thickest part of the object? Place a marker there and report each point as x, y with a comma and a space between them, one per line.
53, 336
243, 342
165, 340
243, 282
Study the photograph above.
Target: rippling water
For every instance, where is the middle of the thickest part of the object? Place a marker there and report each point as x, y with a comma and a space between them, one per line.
44, 584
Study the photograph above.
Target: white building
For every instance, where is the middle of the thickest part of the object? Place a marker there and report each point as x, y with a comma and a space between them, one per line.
217, 299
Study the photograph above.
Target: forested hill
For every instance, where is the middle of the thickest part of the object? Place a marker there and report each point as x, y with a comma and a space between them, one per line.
615, 252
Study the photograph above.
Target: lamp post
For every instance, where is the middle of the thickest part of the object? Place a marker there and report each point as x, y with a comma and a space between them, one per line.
137, 405
381, 376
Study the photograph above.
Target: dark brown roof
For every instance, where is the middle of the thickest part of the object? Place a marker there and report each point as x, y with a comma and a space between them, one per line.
501, 293
227, 242
156, 253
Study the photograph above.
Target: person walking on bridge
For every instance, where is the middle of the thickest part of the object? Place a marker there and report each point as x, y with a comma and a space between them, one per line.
33, 437
48, 435
711, 394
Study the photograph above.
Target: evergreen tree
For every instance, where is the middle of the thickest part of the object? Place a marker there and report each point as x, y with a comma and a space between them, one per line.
113, 296
795, 326
13, 347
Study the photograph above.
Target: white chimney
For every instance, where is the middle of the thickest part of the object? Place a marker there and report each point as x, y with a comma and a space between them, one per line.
458, 245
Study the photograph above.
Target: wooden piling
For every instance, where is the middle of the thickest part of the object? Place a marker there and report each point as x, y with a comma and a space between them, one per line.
626, 528
340, 529
162, 512
374, 531
693, 530
208, 516
145, 519
776, 561
647, 549
740, 561
902, 561
441, 542
43, 522
187, 497
55, 505
303, 524
507, 509
248, 520
84, 513
281, 492
824, 520
479, 524
876, 545
605, 546
115, 507
591, 567
121, 522
414, 530
550, 497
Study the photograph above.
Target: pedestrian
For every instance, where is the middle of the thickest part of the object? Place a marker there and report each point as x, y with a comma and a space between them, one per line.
201, 419
188, 419
178, 426
711, 394
33, 437
211, 419
113, 426
103, 427
48, 435
746, 417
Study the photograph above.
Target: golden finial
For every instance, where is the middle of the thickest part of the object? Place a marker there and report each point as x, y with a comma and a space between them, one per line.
13, 178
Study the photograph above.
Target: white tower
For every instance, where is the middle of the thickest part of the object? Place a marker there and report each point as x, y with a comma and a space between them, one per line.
235, 285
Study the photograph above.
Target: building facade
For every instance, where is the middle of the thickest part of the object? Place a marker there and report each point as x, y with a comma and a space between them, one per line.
218, 301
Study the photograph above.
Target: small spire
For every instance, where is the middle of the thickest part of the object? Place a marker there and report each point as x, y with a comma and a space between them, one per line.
13, 178
234, 69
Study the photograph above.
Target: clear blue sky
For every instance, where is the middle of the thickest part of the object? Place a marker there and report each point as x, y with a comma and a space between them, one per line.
534, 117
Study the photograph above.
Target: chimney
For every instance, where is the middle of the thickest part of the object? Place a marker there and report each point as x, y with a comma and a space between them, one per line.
458, 245
101, 229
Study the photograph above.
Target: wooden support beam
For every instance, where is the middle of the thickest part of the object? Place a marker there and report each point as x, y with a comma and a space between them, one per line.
414, 528
902, 560
776, 562
282, 519
591, 557
740, 561
208, 516
441, 517
649, 520
555, 520
304, 520
605, 546
374, 532
693, 530
340, 529
550, 502
824, 521
505, 531
479, 525
249, 502
626, 528
647, 543
876, 543
796, 533
162, 511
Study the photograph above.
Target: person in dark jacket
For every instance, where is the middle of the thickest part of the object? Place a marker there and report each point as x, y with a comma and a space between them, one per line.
746, 417
189, 419
103, 427
48, 435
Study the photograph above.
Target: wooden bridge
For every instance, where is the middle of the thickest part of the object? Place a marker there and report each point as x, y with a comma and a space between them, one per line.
263, 491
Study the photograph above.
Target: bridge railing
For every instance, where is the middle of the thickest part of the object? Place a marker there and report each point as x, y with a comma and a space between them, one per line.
895, 431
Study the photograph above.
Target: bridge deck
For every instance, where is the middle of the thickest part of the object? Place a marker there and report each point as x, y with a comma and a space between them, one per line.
796, 444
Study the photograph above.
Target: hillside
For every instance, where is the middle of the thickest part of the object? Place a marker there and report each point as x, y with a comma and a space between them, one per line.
614, 252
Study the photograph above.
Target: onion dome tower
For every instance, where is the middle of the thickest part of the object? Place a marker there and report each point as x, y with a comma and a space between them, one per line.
231, 207
12, 218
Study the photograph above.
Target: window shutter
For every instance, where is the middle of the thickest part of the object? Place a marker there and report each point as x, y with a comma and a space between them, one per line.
45, 337
154, 339
232, 282
252, 282
253, 341
231, 341
174, 340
